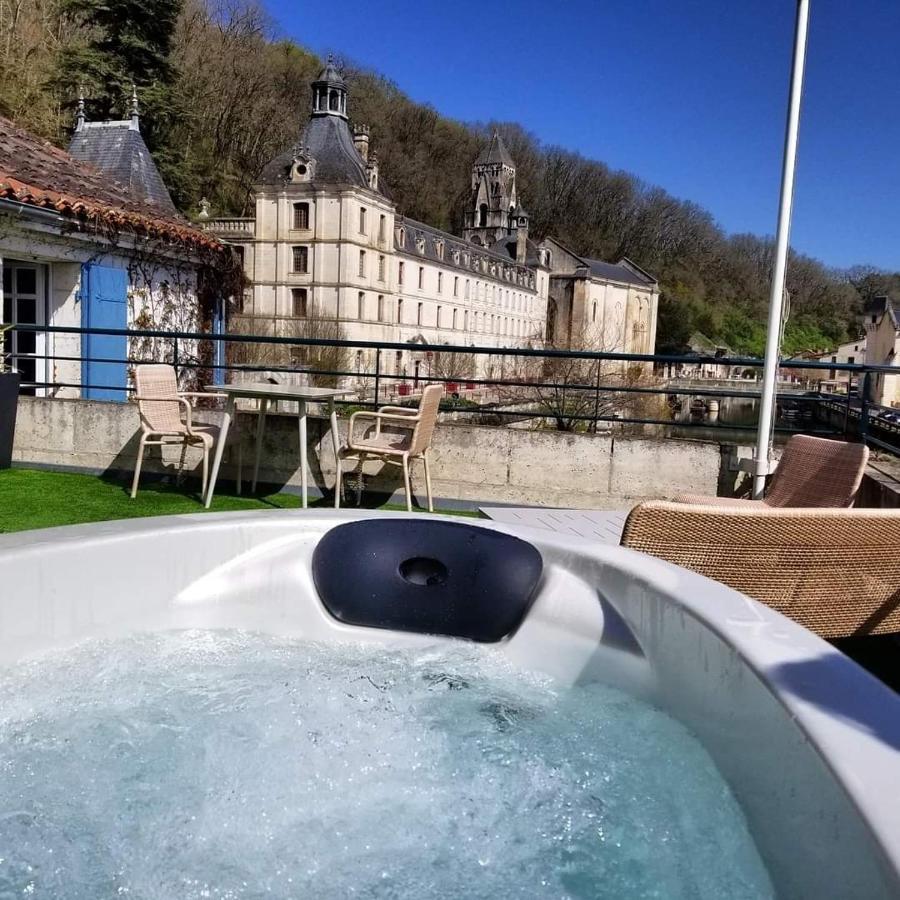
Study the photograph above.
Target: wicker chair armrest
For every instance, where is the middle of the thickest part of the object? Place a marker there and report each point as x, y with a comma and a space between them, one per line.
378, 418
399, 410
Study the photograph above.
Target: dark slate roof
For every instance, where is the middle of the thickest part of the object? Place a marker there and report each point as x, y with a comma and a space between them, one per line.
506, 246
419, 231
327, 139
118, 150
330, 75
36, 173
618, 272
495, 152
883, 305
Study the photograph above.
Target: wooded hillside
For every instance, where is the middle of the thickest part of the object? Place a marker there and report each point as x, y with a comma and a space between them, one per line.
221, 94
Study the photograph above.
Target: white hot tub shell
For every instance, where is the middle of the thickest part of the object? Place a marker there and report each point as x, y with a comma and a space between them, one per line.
808, 741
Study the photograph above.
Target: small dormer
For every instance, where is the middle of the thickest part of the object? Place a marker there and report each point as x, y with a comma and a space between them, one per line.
420, 244
303, 167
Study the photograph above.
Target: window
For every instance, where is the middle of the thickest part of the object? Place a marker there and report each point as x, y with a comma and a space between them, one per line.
440, 281
362, 263
398, 362
301, 216
594, 312
454, 319
421, 277
400, 274
456, 285
851, 360
466, 294
419, 314
298, 302
301, 259
362, 220
360, 305
382, 221
399, 309
381, 307
438, 319
465, 320
401, 238
381, 268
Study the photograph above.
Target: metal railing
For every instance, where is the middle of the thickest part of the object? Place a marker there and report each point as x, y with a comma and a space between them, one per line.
575, 389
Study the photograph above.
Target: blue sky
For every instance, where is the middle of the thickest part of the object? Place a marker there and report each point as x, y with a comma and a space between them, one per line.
687, 94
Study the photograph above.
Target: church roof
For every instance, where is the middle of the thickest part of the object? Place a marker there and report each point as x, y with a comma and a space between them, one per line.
495, 152
620, 271
118, 150
327, 139
35, 173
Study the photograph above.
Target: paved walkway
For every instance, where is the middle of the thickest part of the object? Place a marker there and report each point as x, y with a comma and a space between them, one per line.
602, 525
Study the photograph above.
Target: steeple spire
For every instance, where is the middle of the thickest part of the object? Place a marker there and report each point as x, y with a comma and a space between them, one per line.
79, 110
135, 115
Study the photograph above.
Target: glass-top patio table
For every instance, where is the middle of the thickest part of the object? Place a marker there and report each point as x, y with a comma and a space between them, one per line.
267, 393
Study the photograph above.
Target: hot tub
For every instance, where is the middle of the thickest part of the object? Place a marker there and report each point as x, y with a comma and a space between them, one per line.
805, 742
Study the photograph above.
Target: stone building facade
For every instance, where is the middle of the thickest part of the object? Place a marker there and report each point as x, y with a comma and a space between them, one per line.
327, 240
882, 323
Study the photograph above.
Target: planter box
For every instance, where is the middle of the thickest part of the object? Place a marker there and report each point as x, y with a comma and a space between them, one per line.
403, 390
9, 398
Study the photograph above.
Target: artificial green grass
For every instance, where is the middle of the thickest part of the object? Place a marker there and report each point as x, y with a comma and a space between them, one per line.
36, 498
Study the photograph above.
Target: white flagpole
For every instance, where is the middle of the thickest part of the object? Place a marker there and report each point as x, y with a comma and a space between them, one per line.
782, 245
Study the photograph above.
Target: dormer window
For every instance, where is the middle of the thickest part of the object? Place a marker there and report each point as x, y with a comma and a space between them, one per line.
401, 237
439, 248
420, 245
302, 168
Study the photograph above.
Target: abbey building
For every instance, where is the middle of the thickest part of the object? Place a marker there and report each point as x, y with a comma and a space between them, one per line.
326, 240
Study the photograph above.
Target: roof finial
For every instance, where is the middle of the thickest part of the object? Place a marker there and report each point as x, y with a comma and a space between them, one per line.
79, 110
135, 117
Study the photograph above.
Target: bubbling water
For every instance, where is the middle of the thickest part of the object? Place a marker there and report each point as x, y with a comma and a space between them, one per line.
233, 765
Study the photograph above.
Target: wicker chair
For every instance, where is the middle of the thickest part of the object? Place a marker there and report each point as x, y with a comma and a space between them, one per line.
166, 418
408, 438
835, 571
813, 471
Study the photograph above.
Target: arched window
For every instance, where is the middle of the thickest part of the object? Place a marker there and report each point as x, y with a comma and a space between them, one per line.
333, 101
482, 215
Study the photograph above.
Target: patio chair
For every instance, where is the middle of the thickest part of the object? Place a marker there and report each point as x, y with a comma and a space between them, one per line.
167, 418
835, 571
408, 437
813, 471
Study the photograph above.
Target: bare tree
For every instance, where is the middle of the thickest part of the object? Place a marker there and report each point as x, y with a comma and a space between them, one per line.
324, 364
574, 392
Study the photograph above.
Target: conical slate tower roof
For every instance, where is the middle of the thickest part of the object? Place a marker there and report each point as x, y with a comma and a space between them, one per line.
495, 153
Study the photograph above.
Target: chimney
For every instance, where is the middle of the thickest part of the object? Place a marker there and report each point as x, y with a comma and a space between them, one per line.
521, 237
372, 171
361, 140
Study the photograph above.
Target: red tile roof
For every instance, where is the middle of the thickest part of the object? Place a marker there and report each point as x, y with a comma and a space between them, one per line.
34, 172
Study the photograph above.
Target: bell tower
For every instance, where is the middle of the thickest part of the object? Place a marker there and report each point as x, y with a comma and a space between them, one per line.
329, 92
493, 201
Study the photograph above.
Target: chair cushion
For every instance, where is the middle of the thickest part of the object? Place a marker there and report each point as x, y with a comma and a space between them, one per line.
426, 577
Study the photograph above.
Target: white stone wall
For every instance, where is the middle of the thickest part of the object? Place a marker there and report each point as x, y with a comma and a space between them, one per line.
883, 348
374, 302
162, 292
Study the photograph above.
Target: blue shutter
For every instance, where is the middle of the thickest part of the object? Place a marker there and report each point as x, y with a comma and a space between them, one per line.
104, 298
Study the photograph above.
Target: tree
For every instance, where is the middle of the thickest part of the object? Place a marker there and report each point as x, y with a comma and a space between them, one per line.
572, 391
323, 365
